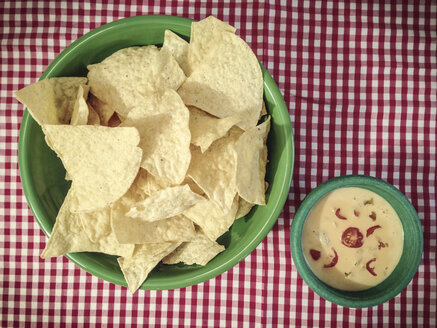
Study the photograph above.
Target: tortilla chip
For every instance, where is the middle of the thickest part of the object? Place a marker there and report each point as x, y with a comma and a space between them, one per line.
51, 101
205, 128
126, 78
164, 204
96, 224
148, 183
102, 162
103, 110
251, 163
200, 250
244, 208
213, 221
68, 236
214, 170
227, 81
80, 110
137, 267
203, 40
136, 231
163, 124
178, 47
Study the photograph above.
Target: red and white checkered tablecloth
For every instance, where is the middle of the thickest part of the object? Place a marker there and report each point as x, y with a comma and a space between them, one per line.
360, 81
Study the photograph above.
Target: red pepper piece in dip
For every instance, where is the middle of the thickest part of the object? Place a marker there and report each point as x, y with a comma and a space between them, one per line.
371, 270
372, 229
333, 261
315, 254
382, 245
337, 214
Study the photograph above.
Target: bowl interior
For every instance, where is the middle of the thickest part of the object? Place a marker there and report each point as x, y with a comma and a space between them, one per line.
412, 248
42, 173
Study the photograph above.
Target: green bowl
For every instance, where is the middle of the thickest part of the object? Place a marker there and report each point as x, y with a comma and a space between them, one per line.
42, 173
412, 248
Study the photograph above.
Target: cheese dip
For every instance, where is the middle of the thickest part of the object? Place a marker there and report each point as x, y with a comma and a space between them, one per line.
352, 239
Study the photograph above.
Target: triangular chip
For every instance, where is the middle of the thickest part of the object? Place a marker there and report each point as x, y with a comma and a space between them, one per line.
134, 195
102, 162
51, 101
227, 81
137, 267
214, 170
96, 224
163, 124
164, 204
200, 250
135, 231
178, 47
126, 78
203, 40
205, 128
251, 163
80, 112
68, 236
211, 218
244, 208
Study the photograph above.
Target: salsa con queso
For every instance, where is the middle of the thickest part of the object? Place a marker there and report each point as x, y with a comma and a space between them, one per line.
352, 239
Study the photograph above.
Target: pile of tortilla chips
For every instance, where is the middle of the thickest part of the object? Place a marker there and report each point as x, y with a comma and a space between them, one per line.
162, 148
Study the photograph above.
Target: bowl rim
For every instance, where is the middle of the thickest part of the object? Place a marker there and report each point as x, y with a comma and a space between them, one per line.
349, 298
269, 87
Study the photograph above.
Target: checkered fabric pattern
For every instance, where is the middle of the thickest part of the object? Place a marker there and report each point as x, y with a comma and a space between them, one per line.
360, 81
